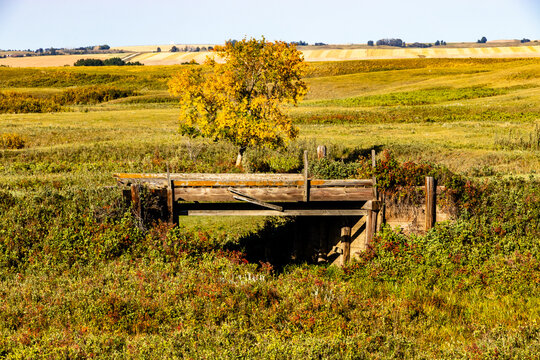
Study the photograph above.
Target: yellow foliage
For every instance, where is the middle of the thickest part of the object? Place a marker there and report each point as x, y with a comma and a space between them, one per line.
11, 141
240, 99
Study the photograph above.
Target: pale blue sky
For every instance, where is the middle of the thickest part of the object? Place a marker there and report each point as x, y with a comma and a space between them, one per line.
73, 23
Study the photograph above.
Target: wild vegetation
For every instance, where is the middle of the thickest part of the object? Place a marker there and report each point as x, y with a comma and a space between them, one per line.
115, 61
81, 277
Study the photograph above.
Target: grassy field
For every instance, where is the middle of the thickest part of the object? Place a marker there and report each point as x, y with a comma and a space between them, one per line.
80, 277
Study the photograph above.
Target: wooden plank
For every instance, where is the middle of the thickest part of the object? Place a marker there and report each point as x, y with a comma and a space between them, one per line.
347, 183
346, 242
273, 183
306, 212
431, 202
235, 180
374, 205
274, 194
207, 176
241, 197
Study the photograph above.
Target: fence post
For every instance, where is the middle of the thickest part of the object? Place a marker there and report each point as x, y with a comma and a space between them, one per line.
431, 202
346, 242
306, 177
136, 200
321, 151
372, 207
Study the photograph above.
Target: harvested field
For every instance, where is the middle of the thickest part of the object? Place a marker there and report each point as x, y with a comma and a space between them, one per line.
147, 56
57, 60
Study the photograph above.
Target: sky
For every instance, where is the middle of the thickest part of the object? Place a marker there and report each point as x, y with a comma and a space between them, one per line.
31, 24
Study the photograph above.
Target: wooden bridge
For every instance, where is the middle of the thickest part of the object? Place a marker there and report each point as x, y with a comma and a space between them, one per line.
266, 195
344, 213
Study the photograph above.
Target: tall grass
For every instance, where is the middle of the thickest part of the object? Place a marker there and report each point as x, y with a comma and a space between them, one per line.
516, 140
418, 97
81, 277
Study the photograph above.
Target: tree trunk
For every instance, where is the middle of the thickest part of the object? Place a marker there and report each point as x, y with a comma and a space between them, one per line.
240, 156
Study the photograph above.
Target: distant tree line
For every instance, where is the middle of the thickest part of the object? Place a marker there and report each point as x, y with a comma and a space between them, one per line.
95, 49
115, 61
191, 48
483, 40
390, 42
401, 43
297, 43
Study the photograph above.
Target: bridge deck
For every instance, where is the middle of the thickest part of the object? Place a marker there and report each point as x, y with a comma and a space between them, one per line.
264, 187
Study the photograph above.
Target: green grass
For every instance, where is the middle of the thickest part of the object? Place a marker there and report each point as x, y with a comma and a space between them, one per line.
418, 97
80, 277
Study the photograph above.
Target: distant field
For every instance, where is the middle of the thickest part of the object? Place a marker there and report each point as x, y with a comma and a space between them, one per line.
147, 56
427, 108
57, 60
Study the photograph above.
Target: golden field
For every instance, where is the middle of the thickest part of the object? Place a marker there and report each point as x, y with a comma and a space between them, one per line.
147, 56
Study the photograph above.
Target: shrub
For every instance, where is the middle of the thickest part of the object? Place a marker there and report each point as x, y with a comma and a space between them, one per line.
115, 61
13, 102
88, 62
92, 95
11, 141
332, 169
191, 62
483, 40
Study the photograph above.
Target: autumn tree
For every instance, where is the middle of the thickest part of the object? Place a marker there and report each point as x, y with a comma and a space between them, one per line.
240, 99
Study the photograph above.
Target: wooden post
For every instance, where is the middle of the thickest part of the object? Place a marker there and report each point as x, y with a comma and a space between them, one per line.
431, 202
346, 242
173, 216
136, 200
374, 165
321, 151
306, 179
371, 222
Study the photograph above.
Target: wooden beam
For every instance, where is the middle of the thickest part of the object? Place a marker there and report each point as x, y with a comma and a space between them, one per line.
171, 204
274, 183
235, 180
371, 222
298, 212
306, 178
274, 194
241, 197
431, 202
